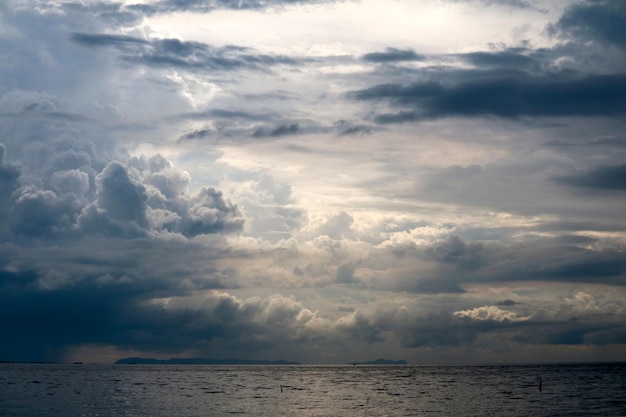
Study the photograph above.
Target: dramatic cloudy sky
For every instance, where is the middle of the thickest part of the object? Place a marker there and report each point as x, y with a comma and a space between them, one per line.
318, 181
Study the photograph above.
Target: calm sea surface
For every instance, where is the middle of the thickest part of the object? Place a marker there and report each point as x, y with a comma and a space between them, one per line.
197, 390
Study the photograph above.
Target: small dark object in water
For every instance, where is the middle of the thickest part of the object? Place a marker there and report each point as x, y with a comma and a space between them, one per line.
540, 384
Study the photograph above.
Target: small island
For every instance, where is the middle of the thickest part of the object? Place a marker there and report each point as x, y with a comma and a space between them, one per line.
201, 361
381, 362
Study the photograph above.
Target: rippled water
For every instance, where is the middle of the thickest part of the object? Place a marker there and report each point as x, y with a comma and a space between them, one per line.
196, 390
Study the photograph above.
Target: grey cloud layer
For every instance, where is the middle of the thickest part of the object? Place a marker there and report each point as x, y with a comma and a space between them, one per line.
204, 6
503, 96
181, 54
393, 55
603, 178
487, 215
146, 196
602, 20
118, 14
519, 81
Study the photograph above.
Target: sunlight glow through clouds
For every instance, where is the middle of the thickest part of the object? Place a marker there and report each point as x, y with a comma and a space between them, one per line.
358, 27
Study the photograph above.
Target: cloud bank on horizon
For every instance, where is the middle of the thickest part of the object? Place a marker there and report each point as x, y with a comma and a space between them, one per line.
319, 181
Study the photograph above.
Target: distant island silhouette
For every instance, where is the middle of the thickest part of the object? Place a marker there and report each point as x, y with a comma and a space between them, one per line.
381, 362
201, 361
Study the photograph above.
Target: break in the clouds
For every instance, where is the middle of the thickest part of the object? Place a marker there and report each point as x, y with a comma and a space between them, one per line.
322, 181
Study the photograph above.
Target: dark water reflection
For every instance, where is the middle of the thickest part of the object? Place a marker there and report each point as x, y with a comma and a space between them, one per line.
198, 390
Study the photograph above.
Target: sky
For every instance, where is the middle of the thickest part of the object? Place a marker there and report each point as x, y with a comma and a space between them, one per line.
441, 181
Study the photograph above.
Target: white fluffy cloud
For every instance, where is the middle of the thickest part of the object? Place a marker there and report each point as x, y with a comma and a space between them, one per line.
490, 313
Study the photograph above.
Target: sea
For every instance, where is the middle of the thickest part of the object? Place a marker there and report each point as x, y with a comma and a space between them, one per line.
51, 390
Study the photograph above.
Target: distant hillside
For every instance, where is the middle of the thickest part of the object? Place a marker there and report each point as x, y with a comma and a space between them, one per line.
201, 361
381, 362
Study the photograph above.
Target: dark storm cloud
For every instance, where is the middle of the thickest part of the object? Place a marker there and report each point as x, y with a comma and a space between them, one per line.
122, 307
607, 267
97, 294
436, 328
510, 58
183, 54
39, 321
607, 336
601, 178
598, 20
77, 196
572, 332
573, 78
507, 97
393, 55
450, 331
551, 260
455, 262
504, 321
